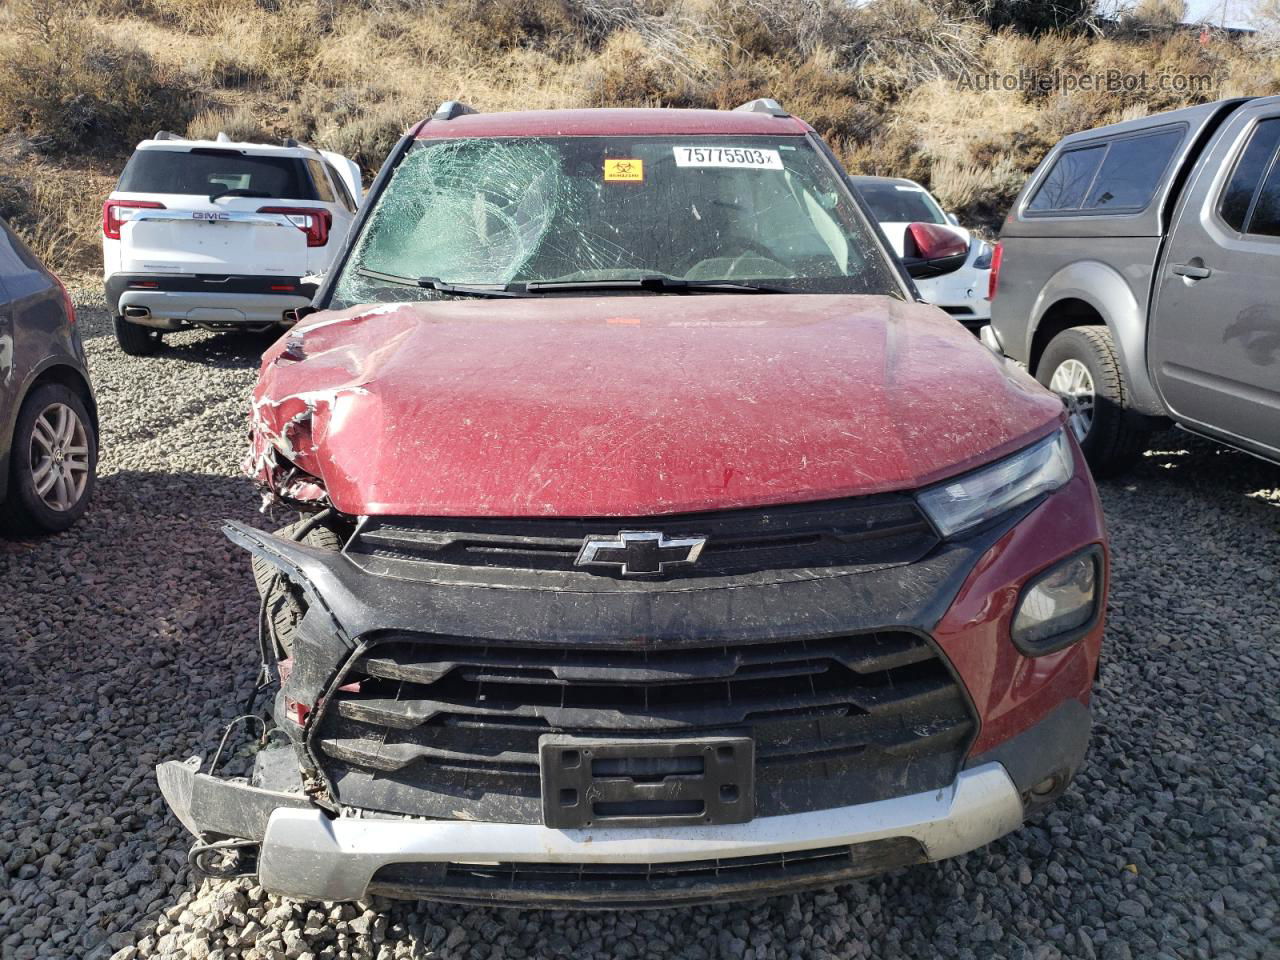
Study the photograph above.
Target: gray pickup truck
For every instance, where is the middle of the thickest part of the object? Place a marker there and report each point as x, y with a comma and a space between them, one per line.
1138, 276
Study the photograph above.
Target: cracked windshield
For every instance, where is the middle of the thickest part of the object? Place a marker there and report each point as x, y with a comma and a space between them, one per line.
533, 215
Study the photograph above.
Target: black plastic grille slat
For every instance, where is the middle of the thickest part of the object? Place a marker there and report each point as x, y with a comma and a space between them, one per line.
739, 866
425, 664
615, 885
642, 709
874, 530
436, 725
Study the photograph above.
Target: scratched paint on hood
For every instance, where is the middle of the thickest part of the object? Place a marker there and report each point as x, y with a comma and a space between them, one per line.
552, 406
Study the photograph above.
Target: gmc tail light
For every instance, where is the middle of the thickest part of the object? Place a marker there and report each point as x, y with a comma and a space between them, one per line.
116, 213
996, 257
312, 221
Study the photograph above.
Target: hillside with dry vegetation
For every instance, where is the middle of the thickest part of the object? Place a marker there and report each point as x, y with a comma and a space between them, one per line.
905, 87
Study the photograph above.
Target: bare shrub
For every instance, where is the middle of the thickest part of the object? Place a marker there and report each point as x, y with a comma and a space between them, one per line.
897, 45
241, 123
57, 213
967, 188
1152, 16
71, 88
367, 134
1035, 17
880, 79
678, 39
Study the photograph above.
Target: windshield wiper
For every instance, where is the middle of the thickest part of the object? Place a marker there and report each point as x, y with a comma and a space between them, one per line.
237, 192
440, 286
657, 284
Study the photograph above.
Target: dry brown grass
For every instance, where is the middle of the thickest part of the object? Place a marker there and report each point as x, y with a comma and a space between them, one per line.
69, 85
84, 79
57, 210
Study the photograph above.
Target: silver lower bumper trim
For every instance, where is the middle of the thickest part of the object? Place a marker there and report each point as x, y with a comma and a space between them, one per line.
308, 855
196, 307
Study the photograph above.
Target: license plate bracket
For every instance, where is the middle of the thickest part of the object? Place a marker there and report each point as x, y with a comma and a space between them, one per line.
637, 783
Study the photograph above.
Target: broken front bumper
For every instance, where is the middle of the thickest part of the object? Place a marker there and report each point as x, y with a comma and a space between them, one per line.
334, 833
306, 853
302, 851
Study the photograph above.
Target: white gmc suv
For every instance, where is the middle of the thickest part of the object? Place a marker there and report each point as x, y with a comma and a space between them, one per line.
219, 234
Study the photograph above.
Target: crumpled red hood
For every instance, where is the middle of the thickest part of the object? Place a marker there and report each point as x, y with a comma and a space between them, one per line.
632, 406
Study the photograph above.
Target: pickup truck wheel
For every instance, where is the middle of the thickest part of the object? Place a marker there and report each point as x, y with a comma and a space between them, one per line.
284, 601
1082, 367
52, 463
135, 340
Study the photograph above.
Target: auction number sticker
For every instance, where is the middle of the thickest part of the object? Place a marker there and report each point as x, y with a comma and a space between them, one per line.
624, 170
750, 158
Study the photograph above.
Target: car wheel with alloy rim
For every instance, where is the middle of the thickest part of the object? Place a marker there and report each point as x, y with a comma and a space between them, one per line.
1072, 381
52, 463
1082, 366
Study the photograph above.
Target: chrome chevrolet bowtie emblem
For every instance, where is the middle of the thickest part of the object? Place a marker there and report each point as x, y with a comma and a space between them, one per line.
639, 551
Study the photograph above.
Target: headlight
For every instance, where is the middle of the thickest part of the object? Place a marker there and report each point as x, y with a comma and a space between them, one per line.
983, 261
1057, 604
967, 501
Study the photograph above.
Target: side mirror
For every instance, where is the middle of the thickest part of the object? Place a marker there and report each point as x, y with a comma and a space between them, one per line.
931, 250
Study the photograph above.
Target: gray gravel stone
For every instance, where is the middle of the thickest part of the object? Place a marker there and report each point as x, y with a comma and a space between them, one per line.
130, 639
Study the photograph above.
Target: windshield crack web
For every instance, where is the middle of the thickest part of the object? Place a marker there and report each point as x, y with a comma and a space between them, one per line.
507, 211
477, 211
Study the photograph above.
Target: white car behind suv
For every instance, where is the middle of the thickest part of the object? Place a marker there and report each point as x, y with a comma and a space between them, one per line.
895, 203
219, 234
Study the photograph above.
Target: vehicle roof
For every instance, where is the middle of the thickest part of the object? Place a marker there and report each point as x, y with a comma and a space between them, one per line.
1152, 220
630, 121
1192, 116
263, 149
858, 178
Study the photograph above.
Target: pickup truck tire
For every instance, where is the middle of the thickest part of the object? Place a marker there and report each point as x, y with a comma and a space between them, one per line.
285, 604
1085, 362
134, 339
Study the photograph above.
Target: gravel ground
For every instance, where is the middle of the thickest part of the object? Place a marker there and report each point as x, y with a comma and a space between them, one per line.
130, 639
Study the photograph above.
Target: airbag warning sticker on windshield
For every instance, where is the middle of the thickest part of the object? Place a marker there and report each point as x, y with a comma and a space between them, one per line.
624, 170
748, 157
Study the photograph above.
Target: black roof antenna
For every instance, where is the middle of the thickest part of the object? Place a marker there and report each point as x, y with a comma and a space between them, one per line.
452, 108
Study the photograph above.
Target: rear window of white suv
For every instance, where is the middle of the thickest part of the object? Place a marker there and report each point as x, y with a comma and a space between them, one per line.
208, 171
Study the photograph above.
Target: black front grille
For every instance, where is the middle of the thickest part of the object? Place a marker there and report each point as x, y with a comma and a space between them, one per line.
862, 531
449, 727
614, 885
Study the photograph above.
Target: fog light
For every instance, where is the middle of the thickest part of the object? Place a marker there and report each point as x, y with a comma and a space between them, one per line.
1057, 607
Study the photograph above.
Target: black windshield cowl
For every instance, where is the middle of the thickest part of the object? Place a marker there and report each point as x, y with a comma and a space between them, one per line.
655, 284
440, 286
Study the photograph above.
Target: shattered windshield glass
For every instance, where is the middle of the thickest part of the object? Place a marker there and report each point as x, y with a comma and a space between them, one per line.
506, 212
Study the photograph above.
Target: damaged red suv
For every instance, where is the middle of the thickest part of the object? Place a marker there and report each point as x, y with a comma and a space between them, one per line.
657, 544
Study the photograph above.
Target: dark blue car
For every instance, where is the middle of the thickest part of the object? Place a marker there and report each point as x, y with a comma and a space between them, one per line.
48, 416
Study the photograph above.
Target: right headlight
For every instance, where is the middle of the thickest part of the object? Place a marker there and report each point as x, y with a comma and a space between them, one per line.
960, 504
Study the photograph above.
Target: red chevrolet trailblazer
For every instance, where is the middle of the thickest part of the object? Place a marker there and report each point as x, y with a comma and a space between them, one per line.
657, 544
